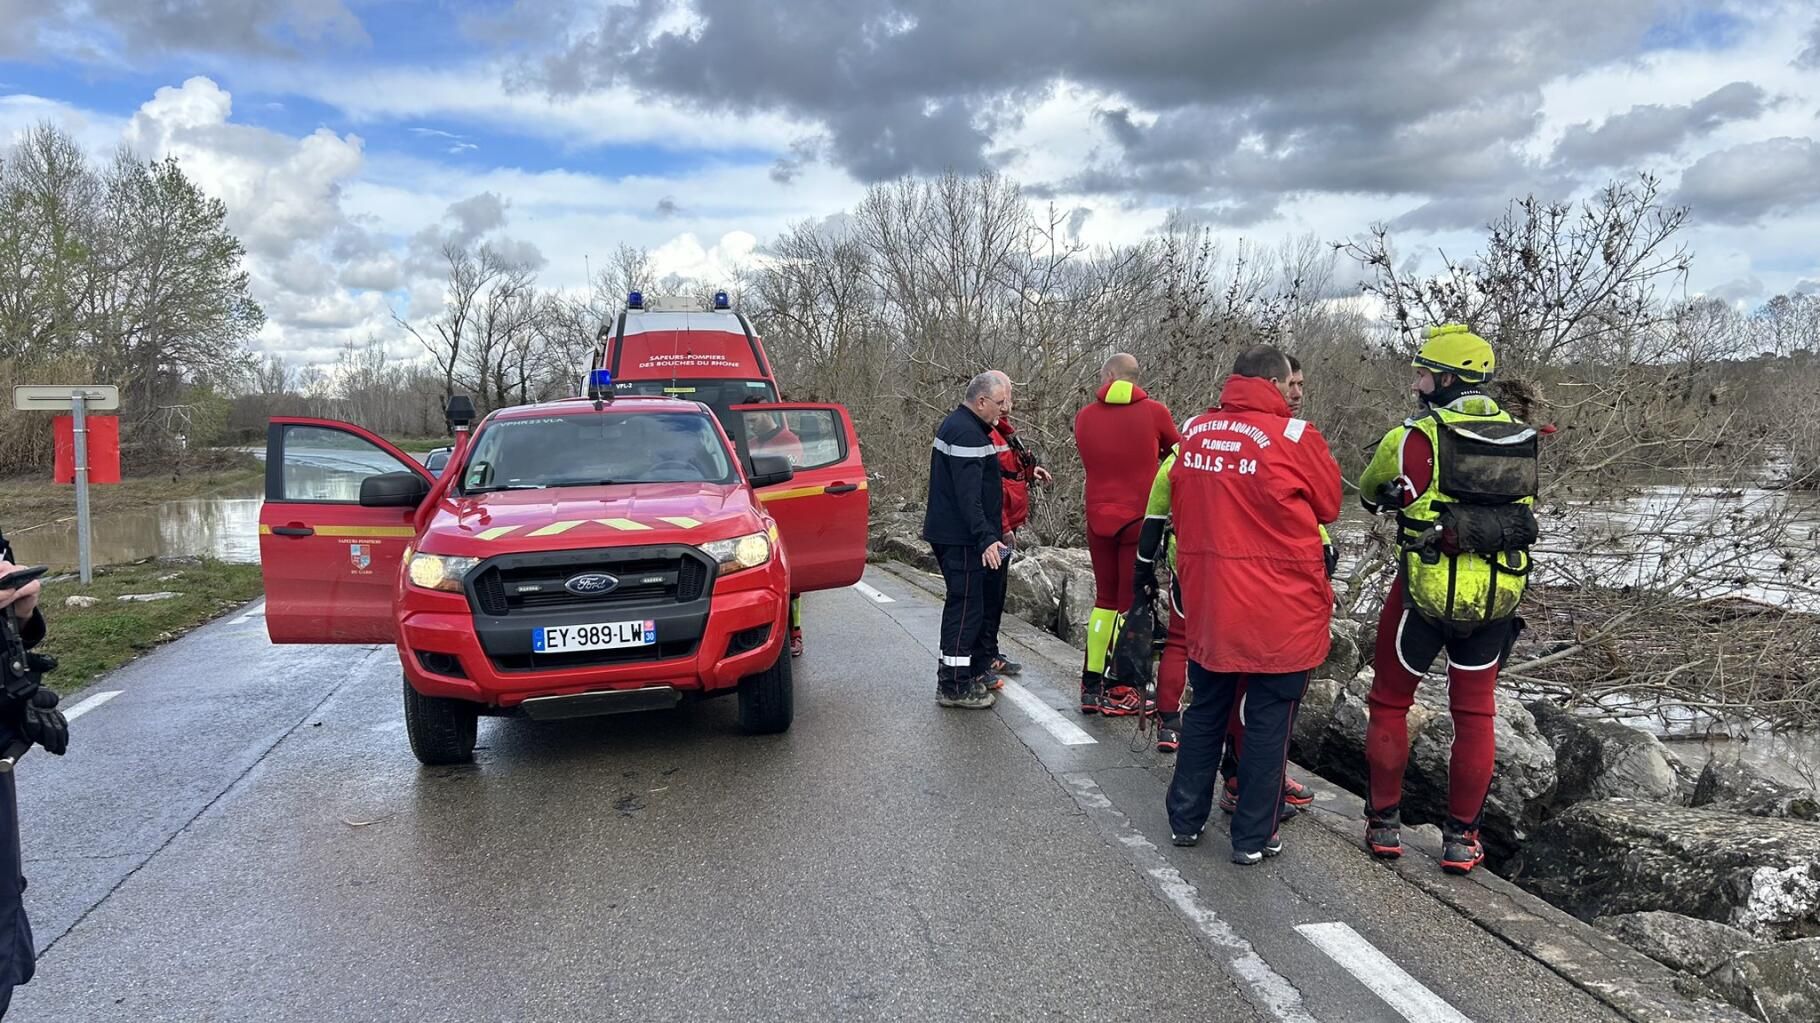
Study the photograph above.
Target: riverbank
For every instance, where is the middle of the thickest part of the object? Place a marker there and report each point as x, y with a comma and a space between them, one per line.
30, 502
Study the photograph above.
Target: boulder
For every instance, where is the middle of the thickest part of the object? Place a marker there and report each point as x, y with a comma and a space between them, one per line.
1597, 759
1523, 780
143, 598
1313, 719
1033, 592
897, 536
1735, 785
78, 600
1344, 655
1071, 571
1680, 942
1625, 856
1778, 984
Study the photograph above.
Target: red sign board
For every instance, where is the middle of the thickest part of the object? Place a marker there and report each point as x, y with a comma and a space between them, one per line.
103, 449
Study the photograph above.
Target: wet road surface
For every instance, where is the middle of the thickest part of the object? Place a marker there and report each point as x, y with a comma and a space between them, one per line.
243, 834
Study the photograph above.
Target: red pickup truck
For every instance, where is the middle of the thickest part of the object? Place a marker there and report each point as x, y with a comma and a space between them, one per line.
576, 557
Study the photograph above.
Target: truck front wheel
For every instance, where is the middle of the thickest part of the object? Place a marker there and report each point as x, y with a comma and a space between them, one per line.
442, 731
765, 702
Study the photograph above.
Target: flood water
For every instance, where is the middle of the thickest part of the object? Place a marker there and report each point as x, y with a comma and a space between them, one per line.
224, 527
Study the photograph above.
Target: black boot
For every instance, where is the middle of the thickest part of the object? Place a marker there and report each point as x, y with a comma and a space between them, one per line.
1093, 692
1461, 849
1383, 832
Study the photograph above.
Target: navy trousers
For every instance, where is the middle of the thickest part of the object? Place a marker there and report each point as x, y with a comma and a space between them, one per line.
1270, 708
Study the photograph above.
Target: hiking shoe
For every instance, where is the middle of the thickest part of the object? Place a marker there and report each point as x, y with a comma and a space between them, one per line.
972, 695
1006, 666
993, 680
1092, 692
1460, 848
1295, 794
796, 642
1121, 702
1187, 840
1383, 833
1271, 848
1169, 733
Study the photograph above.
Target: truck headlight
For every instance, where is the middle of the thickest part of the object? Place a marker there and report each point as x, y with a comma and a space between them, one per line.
435, 572
740, 552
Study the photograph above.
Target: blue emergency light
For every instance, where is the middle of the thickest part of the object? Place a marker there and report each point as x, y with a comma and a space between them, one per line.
721, 301
635, 300
601, 380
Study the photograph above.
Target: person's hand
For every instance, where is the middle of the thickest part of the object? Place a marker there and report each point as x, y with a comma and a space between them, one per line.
24, 600
994, 556
44, 724
1041, 475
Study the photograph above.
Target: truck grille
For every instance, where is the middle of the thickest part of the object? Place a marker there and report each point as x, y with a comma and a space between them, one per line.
515, 584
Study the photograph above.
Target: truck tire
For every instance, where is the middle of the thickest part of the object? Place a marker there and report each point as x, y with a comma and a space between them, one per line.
766, 705
442, 731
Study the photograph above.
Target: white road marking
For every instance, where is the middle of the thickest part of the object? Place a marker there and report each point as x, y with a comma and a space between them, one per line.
1375, 970
877, 597
256, 611
1268, 988
89, 704
1065, 731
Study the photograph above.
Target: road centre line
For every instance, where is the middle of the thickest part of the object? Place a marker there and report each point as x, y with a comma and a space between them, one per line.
89, 704
1376, 971
875, 596
1065, 731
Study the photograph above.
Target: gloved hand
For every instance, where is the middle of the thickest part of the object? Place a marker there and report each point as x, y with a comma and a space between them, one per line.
1331, 556
1143, 578
44, 724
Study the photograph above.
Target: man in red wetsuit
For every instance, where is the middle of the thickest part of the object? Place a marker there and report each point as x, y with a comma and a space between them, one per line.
1122, 436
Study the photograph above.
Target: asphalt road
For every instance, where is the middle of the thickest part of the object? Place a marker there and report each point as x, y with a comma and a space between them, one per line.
242, 834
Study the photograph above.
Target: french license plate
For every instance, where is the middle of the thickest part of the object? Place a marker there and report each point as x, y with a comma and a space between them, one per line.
601, 636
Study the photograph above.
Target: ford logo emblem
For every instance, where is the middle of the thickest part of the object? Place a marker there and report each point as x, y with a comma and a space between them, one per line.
590, 584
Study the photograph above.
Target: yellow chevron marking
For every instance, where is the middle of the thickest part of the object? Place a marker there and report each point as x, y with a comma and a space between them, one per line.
554, 528
496, 532
679, 521
626, 524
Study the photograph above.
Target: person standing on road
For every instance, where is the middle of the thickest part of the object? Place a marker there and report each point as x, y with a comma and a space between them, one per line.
1248, 489
1017, 468
1296, 795
1121, 435
30, 718
1461, 477
962, 523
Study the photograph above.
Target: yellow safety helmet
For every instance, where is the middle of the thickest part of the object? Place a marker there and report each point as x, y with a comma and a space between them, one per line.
1452, 348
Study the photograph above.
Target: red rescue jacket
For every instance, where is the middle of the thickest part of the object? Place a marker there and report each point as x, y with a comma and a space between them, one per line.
1121, 436
1248, 491
1016, 477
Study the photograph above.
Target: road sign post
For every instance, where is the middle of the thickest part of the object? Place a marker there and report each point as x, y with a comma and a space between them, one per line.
80, 399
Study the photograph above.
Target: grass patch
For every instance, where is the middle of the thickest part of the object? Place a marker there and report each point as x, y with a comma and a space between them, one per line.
32, 500
420, 445
90, 641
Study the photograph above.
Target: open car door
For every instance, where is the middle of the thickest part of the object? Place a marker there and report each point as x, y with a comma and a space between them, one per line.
330, 565
821, 513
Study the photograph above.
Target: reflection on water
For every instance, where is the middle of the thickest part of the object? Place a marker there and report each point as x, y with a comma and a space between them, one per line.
225, 528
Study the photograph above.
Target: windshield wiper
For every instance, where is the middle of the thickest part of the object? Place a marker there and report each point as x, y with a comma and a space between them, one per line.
590, 483
504, 486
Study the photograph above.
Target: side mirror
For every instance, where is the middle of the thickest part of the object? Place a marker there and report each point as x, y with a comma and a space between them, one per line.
393, 490
460, 411
770, 470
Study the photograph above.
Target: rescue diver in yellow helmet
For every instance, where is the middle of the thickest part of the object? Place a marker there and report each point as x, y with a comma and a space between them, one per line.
1460, 475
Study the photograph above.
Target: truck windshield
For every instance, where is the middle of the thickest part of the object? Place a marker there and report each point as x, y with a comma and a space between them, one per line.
582, 449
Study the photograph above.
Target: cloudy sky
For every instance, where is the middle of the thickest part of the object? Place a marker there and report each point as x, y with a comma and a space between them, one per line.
348, 136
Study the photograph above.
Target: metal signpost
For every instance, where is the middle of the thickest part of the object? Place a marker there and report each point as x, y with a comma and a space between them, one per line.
80, 399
